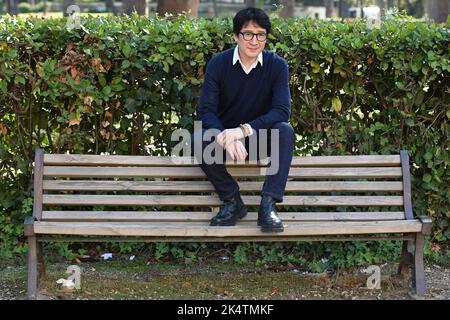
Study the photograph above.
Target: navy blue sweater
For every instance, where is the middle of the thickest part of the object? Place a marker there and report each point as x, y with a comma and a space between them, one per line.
230, 97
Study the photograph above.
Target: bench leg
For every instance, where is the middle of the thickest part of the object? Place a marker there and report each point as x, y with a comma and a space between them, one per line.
419, 272
40, 261
32, 286
406, 259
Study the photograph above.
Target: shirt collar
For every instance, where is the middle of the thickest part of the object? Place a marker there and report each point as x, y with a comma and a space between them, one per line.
236, 57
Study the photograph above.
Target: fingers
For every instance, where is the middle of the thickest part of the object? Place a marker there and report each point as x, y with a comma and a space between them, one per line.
229, 141
221, 138
241, 151
228, 137
232, 151
237, 150
245, 153
225, 138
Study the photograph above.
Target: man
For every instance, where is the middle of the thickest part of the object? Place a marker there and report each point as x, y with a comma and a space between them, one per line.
246, 89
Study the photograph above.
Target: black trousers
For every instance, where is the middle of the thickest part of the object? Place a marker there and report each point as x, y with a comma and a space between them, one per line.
280, 142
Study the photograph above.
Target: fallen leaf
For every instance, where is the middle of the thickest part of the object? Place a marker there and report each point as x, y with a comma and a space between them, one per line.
108, 114
74, 72
88, 100
67, 290
69, 47
75, 121
3, 129
200, 72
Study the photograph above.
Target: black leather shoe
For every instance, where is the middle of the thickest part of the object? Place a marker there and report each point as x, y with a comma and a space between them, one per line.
232, 210
268, 216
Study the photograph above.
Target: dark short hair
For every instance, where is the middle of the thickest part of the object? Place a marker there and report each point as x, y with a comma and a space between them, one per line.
251, 14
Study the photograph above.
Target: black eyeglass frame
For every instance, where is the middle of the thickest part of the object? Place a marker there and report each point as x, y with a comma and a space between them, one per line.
253, 35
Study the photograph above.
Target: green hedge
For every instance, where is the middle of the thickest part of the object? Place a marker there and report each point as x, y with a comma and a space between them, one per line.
123, 84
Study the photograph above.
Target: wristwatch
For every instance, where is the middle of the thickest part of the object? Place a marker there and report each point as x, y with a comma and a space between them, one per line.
244, 130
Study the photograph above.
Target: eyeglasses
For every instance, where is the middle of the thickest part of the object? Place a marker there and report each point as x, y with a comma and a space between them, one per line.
248, 36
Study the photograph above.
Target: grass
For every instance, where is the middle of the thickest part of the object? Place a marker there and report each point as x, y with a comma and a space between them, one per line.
123, 279
168, 281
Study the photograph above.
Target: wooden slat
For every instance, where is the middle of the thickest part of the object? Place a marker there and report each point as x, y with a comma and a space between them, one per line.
190, 200
202, 229
206, 186
147, 172
122, 160
259, 238
206, 216
197, 172
406, 184
38, 183
352, 161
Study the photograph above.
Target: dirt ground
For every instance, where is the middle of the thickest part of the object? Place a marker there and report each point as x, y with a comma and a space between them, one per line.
125, 279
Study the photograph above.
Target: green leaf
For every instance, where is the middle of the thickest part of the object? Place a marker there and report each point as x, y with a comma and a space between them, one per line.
131, 105
427, 156
126, 49
107, 90
40, 71
166, 67
358, 43
19, 79
400, 85
336, 104
361, 90
426, 178
199, 56
178, 56
315, 66
339, 60
409, 122
101, 79
126, 64
448, 113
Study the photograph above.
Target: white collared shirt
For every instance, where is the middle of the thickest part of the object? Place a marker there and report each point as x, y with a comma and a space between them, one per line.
237, 58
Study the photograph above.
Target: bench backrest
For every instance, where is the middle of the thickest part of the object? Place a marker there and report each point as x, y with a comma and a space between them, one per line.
128, 188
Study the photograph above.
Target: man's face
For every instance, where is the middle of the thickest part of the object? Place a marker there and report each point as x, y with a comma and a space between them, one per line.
249, 49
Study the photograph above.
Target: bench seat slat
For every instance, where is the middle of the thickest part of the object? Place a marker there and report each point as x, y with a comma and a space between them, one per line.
206, 186
338, 161
206, 216
121, 160
138, 161
202, 229
213, 200
197, 172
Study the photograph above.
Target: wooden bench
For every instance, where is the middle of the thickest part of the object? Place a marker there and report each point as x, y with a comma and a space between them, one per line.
340, 198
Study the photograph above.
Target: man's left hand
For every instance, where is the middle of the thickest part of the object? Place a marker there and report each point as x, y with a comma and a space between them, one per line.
237, 150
